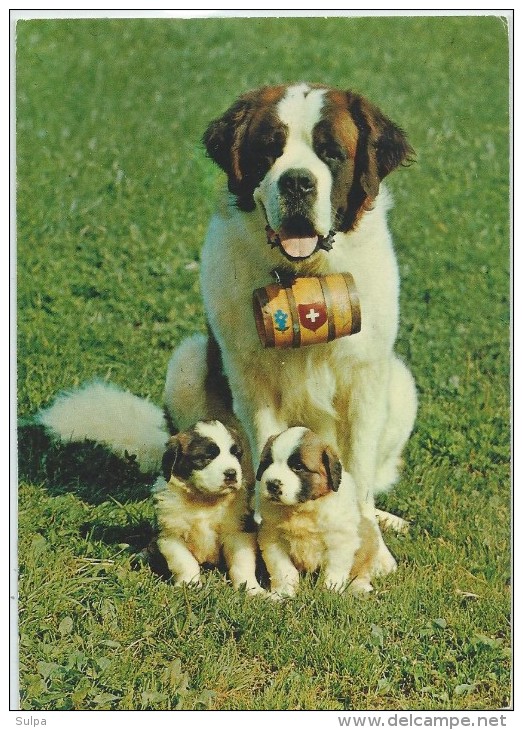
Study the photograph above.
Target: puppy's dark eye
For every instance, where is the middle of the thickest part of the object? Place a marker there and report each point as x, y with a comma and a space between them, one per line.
296, 464
236, 451
202, 458
212, 451
200, 462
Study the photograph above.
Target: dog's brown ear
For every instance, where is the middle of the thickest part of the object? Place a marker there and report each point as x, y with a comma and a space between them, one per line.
333, 468
382, 145
223, 139
265, 458
173, 450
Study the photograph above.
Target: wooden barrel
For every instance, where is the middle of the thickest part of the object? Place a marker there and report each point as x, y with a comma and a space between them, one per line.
309, 310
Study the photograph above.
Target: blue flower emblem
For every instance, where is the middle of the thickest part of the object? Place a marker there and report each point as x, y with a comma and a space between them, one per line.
281, 317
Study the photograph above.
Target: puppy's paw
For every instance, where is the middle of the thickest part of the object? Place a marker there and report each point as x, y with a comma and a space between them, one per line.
194, 582
256, 591
336, 583
276, 597
282, 593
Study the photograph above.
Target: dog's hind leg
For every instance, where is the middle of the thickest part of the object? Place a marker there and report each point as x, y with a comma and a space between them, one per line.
197, 390
398, 427
195, 387
184, 394
402, 406
361, 442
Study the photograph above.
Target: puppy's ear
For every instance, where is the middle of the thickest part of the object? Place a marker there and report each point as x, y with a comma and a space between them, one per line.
265, 458
333, 468
382, 145
171, 455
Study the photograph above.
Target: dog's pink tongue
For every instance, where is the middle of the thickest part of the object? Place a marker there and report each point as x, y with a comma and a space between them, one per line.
298, 247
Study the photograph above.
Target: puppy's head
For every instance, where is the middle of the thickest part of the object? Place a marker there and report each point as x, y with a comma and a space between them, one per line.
206, 458
297, 466
309, 157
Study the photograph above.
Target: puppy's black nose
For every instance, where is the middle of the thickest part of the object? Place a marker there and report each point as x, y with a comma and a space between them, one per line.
274, 487
230, 475
297, 181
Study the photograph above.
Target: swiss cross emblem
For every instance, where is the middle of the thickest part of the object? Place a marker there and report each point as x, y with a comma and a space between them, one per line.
312, 316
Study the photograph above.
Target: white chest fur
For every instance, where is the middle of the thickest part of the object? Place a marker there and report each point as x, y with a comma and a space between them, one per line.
200, 525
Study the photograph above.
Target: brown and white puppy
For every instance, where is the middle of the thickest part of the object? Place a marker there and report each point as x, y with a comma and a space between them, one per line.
304, 165
310, 516
201, 506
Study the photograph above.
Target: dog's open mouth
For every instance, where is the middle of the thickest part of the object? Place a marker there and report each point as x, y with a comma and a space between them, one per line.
298, 240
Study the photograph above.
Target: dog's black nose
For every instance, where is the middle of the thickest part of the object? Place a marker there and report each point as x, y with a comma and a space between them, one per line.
274, 487
230, 475
297, 181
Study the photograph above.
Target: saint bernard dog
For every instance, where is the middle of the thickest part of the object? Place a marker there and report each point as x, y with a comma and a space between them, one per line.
201, 507
310, 516
304, 166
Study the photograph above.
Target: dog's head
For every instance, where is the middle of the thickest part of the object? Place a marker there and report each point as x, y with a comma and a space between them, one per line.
310, 157
206, 458
297, 466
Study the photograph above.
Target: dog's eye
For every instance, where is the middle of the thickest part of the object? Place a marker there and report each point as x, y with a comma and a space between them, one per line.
332, 153
296, 464
203, 458
236, 451
212, 451
200, 463
271, 148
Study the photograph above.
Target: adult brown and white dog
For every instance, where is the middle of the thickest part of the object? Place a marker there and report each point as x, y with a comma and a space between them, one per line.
310, 516
201, 507
304, 166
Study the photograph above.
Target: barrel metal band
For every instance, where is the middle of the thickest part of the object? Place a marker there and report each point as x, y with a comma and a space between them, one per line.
267, 323
330, 309
355, 302
296, 332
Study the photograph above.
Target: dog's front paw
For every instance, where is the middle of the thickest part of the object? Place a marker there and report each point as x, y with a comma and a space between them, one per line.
276, 597
361, 586
384, 562
336, 583
281, 592
190, 582
256, 590
279, 597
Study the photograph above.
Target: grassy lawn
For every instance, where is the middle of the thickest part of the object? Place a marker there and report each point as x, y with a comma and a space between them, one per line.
114, 193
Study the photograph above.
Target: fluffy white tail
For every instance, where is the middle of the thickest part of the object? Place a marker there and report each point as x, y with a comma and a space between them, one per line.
121, 421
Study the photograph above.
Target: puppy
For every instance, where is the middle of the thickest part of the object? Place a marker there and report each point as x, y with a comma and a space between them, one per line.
201, 506
310, 516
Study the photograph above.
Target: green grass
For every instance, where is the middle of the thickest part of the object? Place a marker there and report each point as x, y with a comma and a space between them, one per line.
114, 193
